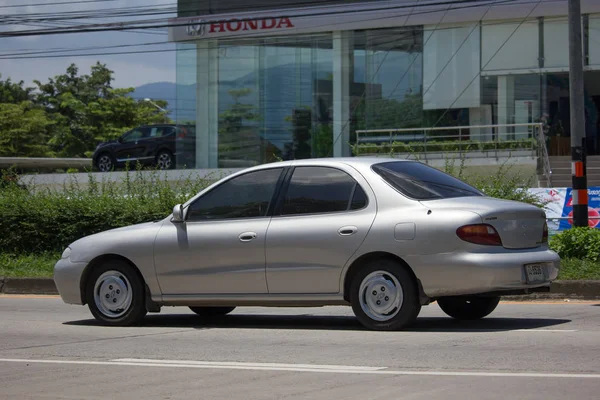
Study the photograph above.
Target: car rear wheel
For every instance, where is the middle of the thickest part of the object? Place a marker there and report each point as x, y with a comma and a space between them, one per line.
212, 311
468, 308
384, 296
105, 163
115, 294
165, 160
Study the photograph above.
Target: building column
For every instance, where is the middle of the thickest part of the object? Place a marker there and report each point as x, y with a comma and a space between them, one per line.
343, 58
207, 104
506, 105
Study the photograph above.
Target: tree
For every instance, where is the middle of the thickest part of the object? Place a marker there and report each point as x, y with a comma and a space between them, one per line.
87, 110
23, 130
13, 93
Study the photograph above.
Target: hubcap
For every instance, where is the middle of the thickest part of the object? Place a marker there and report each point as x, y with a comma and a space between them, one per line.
381, 296
164, 161
104, 164
112, 294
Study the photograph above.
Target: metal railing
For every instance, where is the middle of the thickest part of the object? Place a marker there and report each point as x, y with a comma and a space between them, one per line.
44, 162
503, 137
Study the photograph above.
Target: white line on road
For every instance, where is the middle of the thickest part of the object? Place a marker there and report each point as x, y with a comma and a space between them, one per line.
545, 330
341, 369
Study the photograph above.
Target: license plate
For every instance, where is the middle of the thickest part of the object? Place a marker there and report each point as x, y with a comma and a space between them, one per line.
535, 273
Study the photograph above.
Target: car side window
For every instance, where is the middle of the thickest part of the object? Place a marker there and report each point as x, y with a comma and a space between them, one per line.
135, 134
315, 190
245, 196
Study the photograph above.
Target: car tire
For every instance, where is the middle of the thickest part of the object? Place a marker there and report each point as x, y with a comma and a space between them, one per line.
468, 308
212, 311
115, 294
165, 160
384, 296
105, 162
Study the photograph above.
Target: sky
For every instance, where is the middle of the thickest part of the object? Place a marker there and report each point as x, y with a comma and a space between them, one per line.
130, 70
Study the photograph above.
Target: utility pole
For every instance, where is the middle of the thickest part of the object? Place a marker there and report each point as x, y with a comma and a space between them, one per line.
576, 93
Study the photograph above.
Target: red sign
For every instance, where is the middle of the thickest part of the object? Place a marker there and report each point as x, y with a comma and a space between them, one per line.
253, 25
201, 27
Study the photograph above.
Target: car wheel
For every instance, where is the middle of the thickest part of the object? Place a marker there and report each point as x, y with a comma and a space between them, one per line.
468, 308
212, 311
164, 160
384, 296
115, 294
105, 163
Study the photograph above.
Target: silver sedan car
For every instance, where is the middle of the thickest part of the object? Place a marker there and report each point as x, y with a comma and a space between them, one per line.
385, 236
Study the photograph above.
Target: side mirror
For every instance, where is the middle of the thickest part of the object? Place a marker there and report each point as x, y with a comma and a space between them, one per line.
178, 215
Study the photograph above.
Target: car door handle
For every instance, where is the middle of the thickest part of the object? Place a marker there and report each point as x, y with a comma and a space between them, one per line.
347, 230
247, 236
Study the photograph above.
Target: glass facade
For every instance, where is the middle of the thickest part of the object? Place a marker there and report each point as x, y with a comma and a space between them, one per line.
258, 100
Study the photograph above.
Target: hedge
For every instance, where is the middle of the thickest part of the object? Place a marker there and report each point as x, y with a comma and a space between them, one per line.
47, 221
578, 243
443, 146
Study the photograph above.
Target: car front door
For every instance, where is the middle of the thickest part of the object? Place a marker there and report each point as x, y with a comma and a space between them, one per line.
320, 221
131, 146
220, 246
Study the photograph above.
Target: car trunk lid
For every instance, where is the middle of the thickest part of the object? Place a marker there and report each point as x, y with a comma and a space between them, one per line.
520, 225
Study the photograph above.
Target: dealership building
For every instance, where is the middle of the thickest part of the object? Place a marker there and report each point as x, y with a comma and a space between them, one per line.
288, 79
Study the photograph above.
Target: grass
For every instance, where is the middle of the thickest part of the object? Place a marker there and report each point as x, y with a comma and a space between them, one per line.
573, 269
28, 266
41, 265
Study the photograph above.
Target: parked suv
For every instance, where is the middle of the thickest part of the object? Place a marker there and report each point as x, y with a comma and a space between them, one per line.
159, 145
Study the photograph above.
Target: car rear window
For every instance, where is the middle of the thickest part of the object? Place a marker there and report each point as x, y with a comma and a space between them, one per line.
422, 182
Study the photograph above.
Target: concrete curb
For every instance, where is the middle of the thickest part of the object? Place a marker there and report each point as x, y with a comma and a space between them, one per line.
580, 290
28, 286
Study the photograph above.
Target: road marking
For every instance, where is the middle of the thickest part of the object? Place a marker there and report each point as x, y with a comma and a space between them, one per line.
546, 330
246, 364
338, 369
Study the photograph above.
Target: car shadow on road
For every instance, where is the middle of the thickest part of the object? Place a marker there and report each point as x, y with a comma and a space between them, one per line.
340, 323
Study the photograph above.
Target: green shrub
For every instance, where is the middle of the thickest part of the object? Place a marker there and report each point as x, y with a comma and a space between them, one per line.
580, 243
47, 221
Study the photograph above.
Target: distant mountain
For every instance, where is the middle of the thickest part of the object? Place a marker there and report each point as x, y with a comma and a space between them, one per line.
298, 83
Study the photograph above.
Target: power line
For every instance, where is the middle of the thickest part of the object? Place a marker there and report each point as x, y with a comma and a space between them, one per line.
57, 3
128, 25
25, 56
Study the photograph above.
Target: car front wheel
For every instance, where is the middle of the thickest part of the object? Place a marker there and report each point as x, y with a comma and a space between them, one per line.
468, 308
105, 163
384, 296
115, 294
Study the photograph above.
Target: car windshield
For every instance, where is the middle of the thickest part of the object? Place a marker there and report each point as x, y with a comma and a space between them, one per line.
422, 182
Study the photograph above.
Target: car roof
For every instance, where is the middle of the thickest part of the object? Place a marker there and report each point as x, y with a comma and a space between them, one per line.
354, 161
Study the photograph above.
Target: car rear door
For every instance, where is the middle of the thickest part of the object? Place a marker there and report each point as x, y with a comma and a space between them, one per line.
322, 217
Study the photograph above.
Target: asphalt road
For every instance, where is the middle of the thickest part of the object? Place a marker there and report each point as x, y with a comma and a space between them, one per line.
50, 350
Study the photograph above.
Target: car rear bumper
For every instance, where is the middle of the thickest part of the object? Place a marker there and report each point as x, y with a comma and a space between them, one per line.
464, 273
67, 277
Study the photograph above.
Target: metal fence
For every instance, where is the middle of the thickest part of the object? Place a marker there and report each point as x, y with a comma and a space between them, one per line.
496, 139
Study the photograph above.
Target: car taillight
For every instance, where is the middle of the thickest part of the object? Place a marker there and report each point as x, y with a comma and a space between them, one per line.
479, 234
181, 134
545, 234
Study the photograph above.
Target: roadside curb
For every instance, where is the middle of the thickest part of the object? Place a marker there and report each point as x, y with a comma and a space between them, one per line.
44, 286
580, 290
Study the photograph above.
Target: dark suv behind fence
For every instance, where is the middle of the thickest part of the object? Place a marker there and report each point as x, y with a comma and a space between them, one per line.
162, 146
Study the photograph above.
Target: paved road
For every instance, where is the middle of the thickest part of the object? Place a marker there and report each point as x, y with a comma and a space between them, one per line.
50, 350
